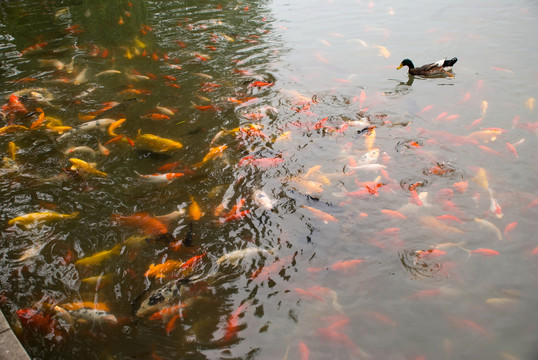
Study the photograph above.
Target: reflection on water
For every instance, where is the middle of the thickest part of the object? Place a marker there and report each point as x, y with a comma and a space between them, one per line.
193, 180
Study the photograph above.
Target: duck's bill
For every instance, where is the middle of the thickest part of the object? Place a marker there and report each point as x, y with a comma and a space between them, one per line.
399, 67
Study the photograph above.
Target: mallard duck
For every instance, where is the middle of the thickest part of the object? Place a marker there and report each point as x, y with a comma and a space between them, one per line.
440, 67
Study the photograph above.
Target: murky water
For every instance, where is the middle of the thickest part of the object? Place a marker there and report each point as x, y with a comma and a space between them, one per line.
381, 216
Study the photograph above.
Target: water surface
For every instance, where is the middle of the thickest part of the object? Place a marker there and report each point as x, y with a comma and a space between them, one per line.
401, 222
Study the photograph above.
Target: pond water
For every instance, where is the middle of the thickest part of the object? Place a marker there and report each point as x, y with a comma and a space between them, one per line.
318, 203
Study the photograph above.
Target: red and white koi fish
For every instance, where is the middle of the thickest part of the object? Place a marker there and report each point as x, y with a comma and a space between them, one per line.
161, 178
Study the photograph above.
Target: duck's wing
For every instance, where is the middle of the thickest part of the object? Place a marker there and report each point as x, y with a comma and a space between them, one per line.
430, 67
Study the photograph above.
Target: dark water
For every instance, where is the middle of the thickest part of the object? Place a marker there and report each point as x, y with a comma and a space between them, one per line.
401, 214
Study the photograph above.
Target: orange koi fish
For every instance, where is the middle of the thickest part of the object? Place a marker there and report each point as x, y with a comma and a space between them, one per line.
485, 252
344, 266
509, 228
232, 326
33, 48
194, 210
169, 166
393, 213
156, 116
260, 84
321, 214
428, 293
172, 323
265, 271
304, 353
143, 221
189, 264
161, 269
308, 293
166, 312
262, 162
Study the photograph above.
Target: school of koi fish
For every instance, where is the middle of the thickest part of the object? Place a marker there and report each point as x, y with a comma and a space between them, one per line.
171, 197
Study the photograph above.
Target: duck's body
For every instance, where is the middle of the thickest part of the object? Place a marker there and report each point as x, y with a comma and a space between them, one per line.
441, 67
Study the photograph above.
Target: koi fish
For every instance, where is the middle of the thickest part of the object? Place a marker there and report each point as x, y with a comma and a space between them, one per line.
86, 304
115, 125
149, 225
161, 269
304, 353
488, 225
12, 128
100, 124
84, 167
236, 256
189, 264
213, 153
482, 180
98, 281
232, 325
12, 148
161, 178
509, 228
156, 116
261, 162
37, 320
161, 298
158, 143
260, 84
108, 72
87, 315
263, 200
485, 252
34, 48
40, 217
321, 214
99, 257
194, 210
167, 312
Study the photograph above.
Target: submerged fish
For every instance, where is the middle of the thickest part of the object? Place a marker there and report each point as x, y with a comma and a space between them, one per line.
88, 315
158, 143
83, 166
99, 257
100, 124
40, 217
262, 200
161, 298
236, 256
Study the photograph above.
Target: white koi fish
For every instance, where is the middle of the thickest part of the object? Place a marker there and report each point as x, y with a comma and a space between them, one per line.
160, 178
101, 124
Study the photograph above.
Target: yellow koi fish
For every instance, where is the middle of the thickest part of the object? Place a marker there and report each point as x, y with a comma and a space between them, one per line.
99, 257
158, 143
12, 150
40, 217
11, 128
99, 280
86, 304
213, 153
115, 125
83, 166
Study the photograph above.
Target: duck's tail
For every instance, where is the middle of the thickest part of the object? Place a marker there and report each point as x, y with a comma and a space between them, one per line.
450, 62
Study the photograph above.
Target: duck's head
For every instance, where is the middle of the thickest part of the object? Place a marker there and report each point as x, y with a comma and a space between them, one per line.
406, 62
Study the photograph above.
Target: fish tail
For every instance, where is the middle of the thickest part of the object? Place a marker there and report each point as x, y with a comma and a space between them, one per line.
116, 249
74, 214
